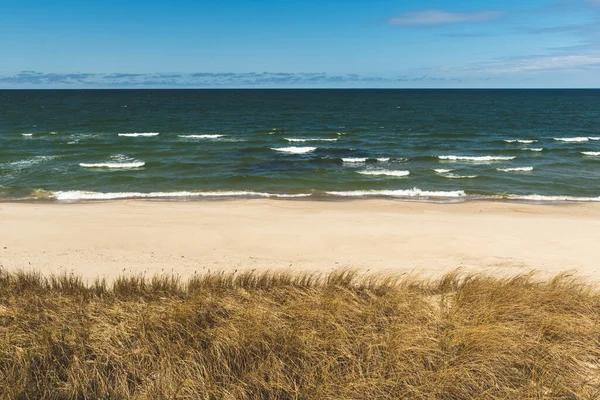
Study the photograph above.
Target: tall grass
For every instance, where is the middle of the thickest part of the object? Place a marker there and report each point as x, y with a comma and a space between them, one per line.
298, 336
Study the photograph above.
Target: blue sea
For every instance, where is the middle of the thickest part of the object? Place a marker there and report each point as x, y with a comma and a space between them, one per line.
430, 145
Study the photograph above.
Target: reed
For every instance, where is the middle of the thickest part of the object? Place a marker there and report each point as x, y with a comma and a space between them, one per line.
280, 335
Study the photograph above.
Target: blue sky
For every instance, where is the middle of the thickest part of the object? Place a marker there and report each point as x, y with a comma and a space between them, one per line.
310, 43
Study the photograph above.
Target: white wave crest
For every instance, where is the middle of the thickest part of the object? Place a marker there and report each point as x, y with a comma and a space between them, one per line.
518, 169
385, 172
415, 192
476, 158
591, 153
443, 171
538, 149
354, 160
573, 139
454, 176
539, 197
524, 141
143, 134
383, 159
86, 195
594, 137
114, 165
294, 140
294, 150
21, 164
201, 136
27, 134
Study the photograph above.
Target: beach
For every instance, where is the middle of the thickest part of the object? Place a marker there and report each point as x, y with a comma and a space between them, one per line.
108, 239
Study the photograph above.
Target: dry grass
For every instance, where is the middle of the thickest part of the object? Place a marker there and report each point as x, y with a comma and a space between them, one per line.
286, 336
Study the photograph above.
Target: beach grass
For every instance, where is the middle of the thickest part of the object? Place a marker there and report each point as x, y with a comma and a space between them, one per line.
283, 335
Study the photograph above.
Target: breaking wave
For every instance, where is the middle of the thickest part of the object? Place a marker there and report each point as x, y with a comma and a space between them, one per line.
524, 141
294, 150
573, 139
384, 172
216, 136
476, 158
142, 134
518, 169
407, 193
294, 140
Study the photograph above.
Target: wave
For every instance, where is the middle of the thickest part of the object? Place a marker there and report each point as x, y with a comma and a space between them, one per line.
27, 134
340, 133
476, 158
355, 159
454, 176
385, 172
539, 197
446, 173
383, 159
573, 139
533, 149
294, 150
114, 165
594, 137
518, 169
201, 136
414, 192
591, 153
143, 134
29, 162
524, 141
86, 195
310, 140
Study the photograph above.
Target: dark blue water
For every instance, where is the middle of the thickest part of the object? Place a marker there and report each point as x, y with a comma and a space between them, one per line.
424, 144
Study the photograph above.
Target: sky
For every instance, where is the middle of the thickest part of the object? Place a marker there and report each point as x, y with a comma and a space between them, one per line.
297, 44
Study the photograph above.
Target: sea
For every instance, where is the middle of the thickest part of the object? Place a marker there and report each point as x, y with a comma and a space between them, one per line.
423, 145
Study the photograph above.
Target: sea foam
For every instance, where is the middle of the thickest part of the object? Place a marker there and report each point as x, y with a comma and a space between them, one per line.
591, 153
414, 192
142, 134
216, 136
385, 172
518, 169
114, 165
538, 149
573, 139
454, 176
476, 158
86, 195
294, 140
354, 159
524, 141
294, 150
538, 197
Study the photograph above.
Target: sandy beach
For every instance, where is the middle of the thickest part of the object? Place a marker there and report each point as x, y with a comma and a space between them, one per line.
145, 237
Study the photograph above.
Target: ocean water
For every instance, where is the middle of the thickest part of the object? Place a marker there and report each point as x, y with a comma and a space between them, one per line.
446, 145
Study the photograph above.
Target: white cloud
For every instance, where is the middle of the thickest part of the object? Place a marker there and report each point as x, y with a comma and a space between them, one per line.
540, 63
439, 17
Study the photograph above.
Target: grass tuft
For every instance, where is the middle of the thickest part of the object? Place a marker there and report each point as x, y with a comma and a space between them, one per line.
282, 335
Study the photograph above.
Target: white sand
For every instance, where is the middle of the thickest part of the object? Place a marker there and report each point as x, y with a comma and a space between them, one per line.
145, 237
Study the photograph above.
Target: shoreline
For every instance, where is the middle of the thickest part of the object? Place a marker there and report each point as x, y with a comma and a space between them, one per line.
147, 237
314, 197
